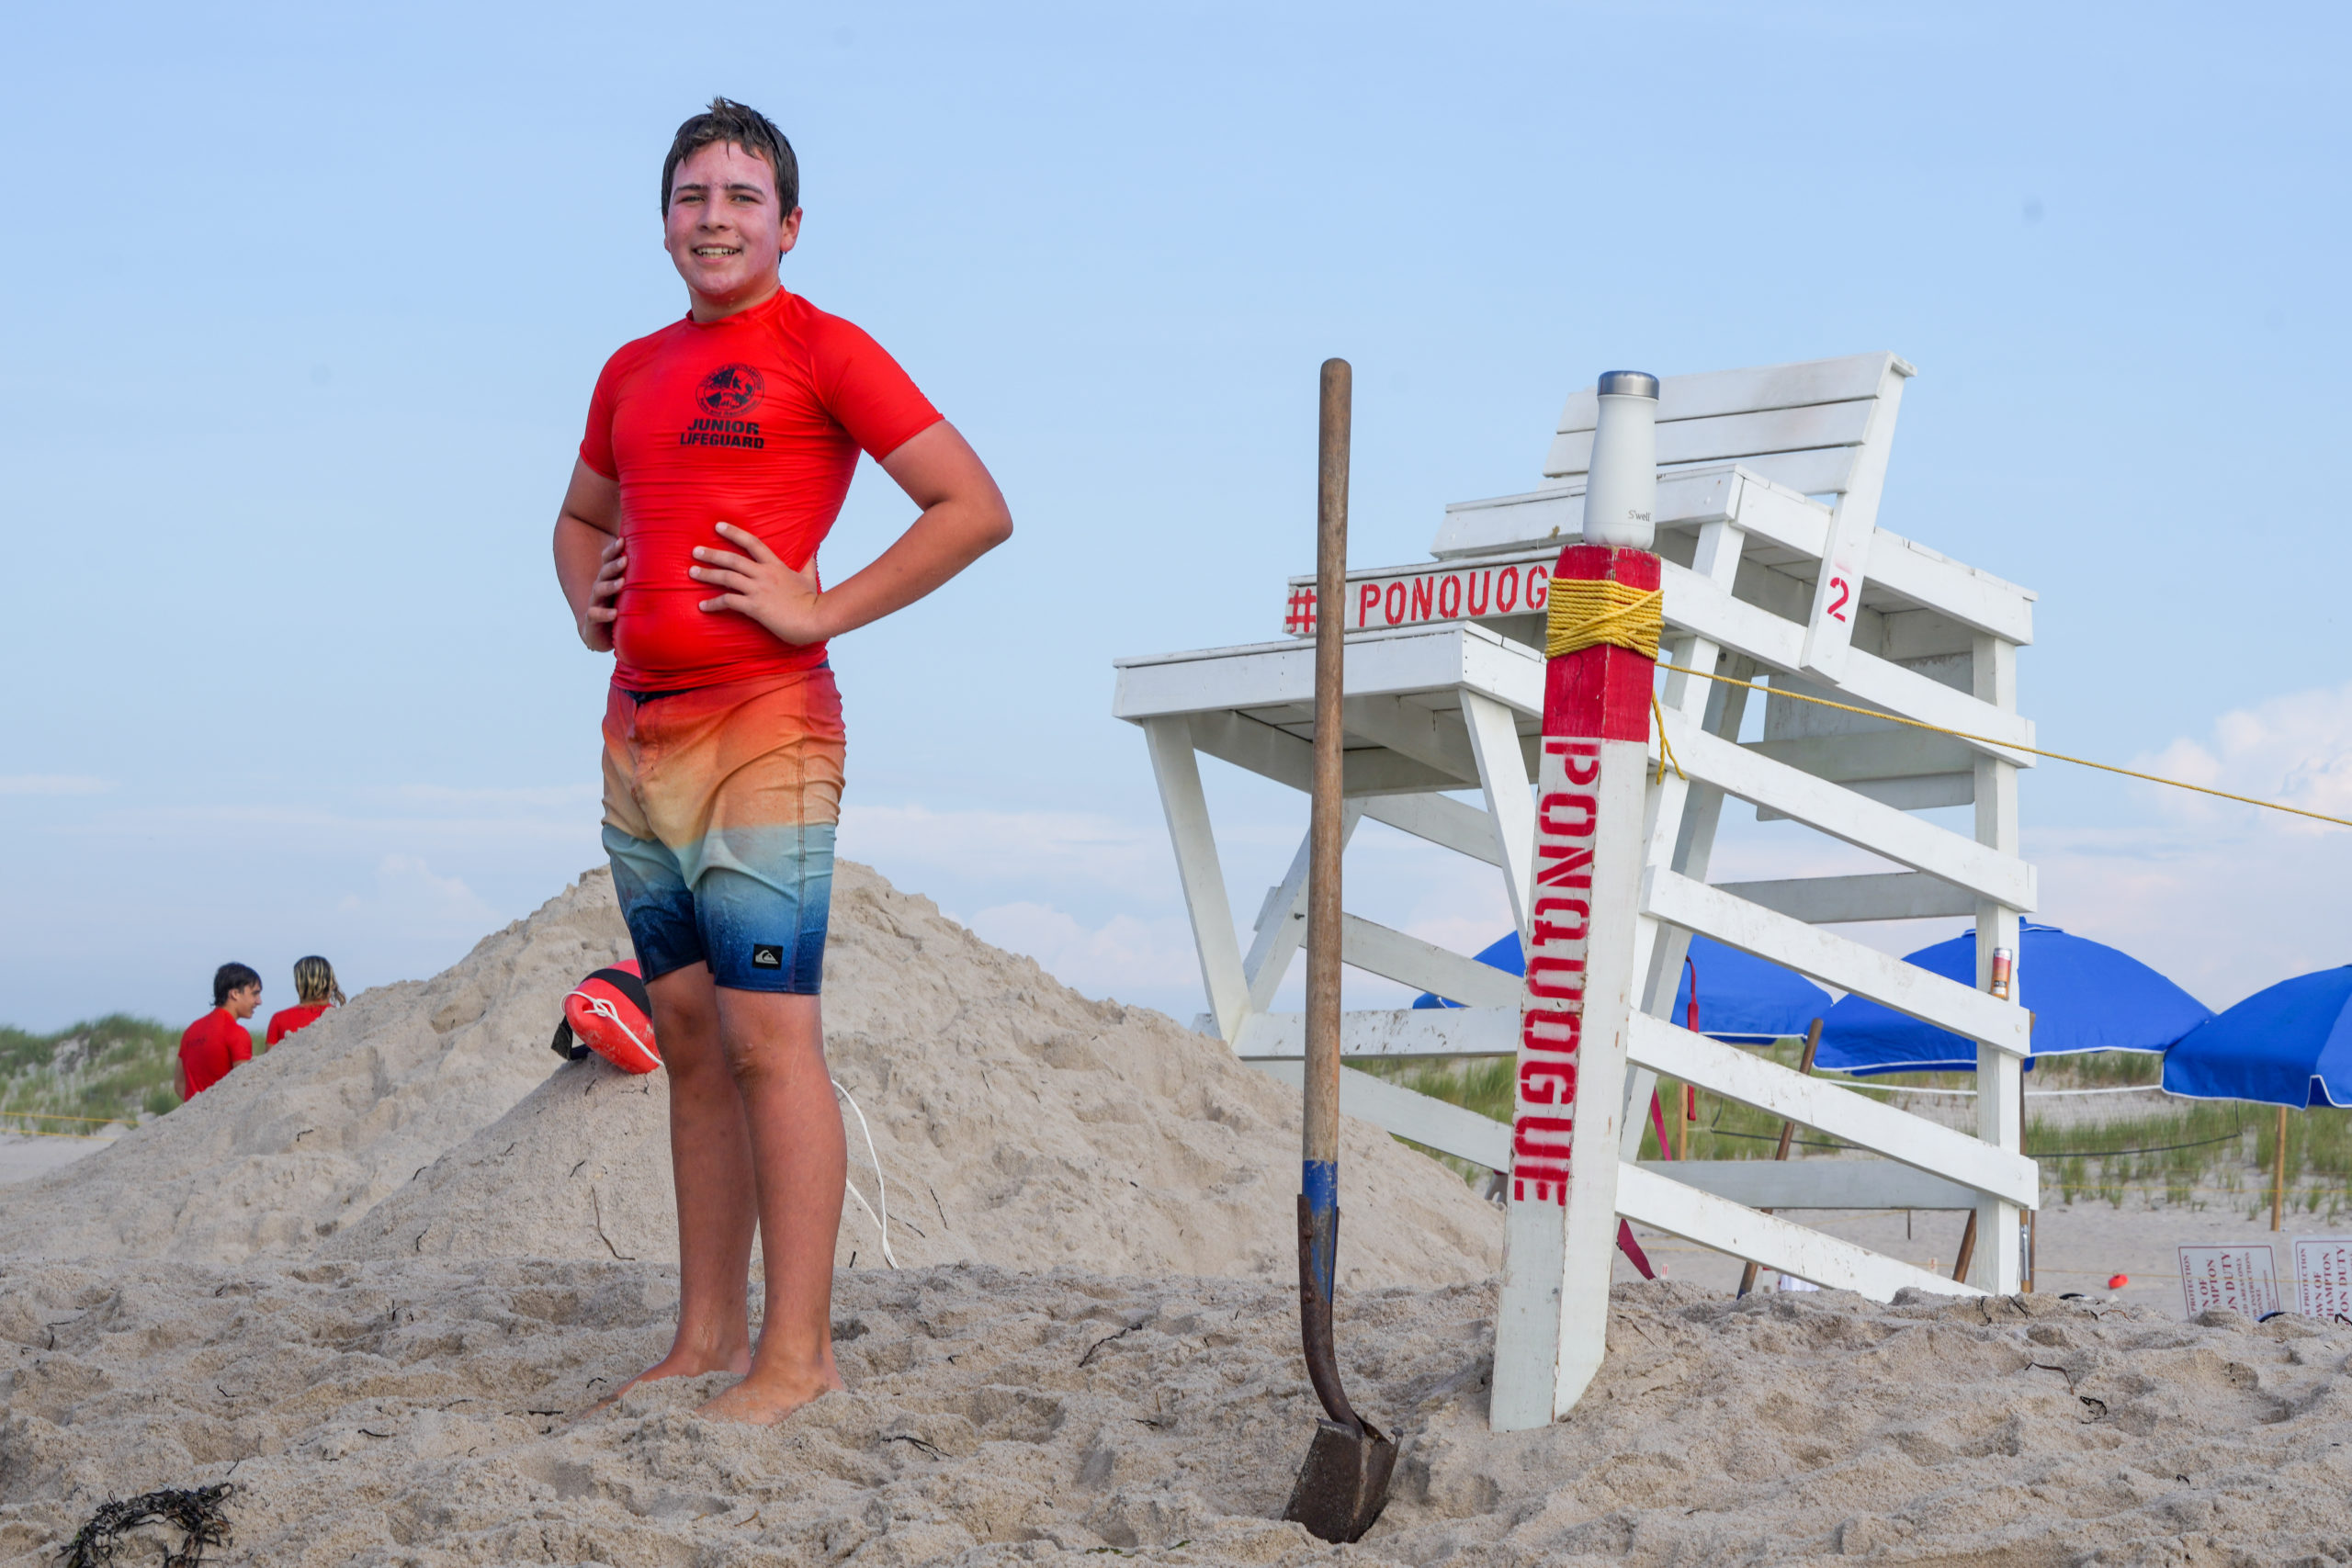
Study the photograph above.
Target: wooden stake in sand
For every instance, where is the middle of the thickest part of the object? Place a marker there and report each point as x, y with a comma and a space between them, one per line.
2279, 1175
1967, 1248
1788, 1137
1690, 1090
1576, 1001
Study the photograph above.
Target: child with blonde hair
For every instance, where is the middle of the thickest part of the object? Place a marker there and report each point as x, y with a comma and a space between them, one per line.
315, 990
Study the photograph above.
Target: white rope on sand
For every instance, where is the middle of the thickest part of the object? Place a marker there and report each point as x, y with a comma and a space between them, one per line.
2030, 1094
604, 1009
881, 1185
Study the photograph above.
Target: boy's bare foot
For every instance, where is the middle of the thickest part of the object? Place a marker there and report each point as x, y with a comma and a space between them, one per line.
676, 1364
763, 1399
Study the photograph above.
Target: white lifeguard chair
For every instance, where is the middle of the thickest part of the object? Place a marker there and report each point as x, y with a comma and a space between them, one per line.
1775, 572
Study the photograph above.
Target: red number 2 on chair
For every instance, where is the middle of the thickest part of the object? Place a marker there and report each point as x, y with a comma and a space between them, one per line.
1836, 610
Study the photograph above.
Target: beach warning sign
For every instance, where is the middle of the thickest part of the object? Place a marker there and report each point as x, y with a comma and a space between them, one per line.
2243, 1279
2324, 1277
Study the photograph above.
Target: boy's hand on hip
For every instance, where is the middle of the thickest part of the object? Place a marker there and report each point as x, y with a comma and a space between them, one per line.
603, 596
757, 584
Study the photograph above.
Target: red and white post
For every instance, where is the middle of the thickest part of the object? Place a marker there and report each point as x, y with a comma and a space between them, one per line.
1576, 1002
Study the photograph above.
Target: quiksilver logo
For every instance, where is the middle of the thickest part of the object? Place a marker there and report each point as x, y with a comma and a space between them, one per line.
767, 955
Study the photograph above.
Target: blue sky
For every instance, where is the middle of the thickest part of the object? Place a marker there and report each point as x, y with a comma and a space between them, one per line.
304, 305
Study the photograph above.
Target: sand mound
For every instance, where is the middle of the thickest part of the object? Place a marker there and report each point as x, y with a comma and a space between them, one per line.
1018, 1123
411, 1412
308, 1137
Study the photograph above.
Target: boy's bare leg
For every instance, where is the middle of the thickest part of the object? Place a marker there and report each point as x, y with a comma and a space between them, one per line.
710, 1160
776, 1047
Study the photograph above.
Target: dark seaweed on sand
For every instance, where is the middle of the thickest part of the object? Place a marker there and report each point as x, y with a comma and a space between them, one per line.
195, 1512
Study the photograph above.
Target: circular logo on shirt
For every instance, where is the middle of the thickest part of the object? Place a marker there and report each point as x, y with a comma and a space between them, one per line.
731, 390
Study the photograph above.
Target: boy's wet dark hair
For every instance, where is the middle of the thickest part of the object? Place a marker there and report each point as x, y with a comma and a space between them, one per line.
231, 978
727, 120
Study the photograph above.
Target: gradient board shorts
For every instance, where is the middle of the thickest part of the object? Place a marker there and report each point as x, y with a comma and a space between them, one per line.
719, 807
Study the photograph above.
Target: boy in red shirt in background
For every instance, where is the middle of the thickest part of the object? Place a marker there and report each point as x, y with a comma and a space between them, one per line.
717, 454
219, 1041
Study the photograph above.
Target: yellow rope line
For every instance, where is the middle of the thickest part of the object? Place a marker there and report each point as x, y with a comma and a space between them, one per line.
1585, 613
61, 1116
2005, 745
1593, 614
1664, 744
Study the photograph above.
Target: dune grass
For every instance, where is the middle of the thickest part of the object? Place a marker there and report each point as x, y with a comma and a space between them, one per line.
112, 1069
2187, 1153
1724, 1129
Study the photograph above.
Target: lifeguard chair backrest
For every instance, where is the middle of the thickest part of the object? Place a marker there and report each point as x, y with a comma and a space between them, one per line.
1810, 426
1822, 428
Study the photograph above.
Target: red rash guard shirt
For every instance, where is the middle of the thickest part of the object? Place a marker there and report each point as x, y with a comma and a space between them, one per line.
286, 1021
213, 1044
756, 419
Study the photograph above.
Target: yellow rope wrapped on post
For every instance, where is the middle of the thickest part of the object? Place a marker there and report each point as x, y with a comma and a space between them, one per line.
1586, 612
1595, 614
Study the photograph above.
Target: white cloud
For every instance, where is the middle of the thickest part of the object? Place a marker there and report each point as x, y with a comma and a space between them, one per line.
410, 892
1006, 847
565, 801
53, 783
2295, 749
334, 826
2223, 913
2224, 898
1136, 960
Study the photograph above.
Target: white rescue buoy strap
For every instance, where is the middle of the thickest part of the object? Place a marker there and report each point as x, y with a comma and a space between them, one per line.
612, 1015
629, 984
605, 1010
881, 1184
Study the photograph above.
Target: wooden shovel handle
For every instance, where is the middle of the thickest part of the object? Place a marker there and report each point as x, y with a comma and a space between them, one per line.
1320, 1144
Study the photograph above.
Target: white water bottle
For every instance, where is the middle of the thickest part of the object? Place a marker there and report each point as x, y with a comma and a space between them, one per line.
1620, 488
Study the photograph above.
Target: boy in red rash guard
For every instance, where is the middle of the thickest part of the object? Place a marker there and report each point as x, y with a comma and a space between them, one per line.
718, 453
219, 1041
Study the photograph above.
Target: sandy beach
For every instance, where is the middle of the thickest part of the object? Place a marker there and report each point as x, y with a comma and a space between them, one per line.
2079, 1249
418, 1413
23, 1156
424, 1249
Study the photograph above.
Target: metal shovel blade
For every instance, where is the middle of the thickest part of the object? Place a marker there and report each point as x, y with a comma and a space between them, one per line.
1344, 1484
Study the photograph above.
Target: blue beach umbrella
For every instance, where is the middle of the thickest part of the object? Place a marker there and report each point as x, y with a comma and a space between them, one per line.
1741, 996
1501, 953
2085, 996
2289, 1045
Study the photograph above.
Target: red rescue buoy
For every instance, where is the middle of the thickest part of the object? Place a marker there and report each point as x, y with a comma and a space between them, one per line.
610, 1014
2116, 1281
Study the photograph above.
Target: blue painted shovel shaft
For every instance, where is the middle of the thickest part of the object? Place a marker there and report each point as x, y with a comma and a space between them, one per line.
1318, 1180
